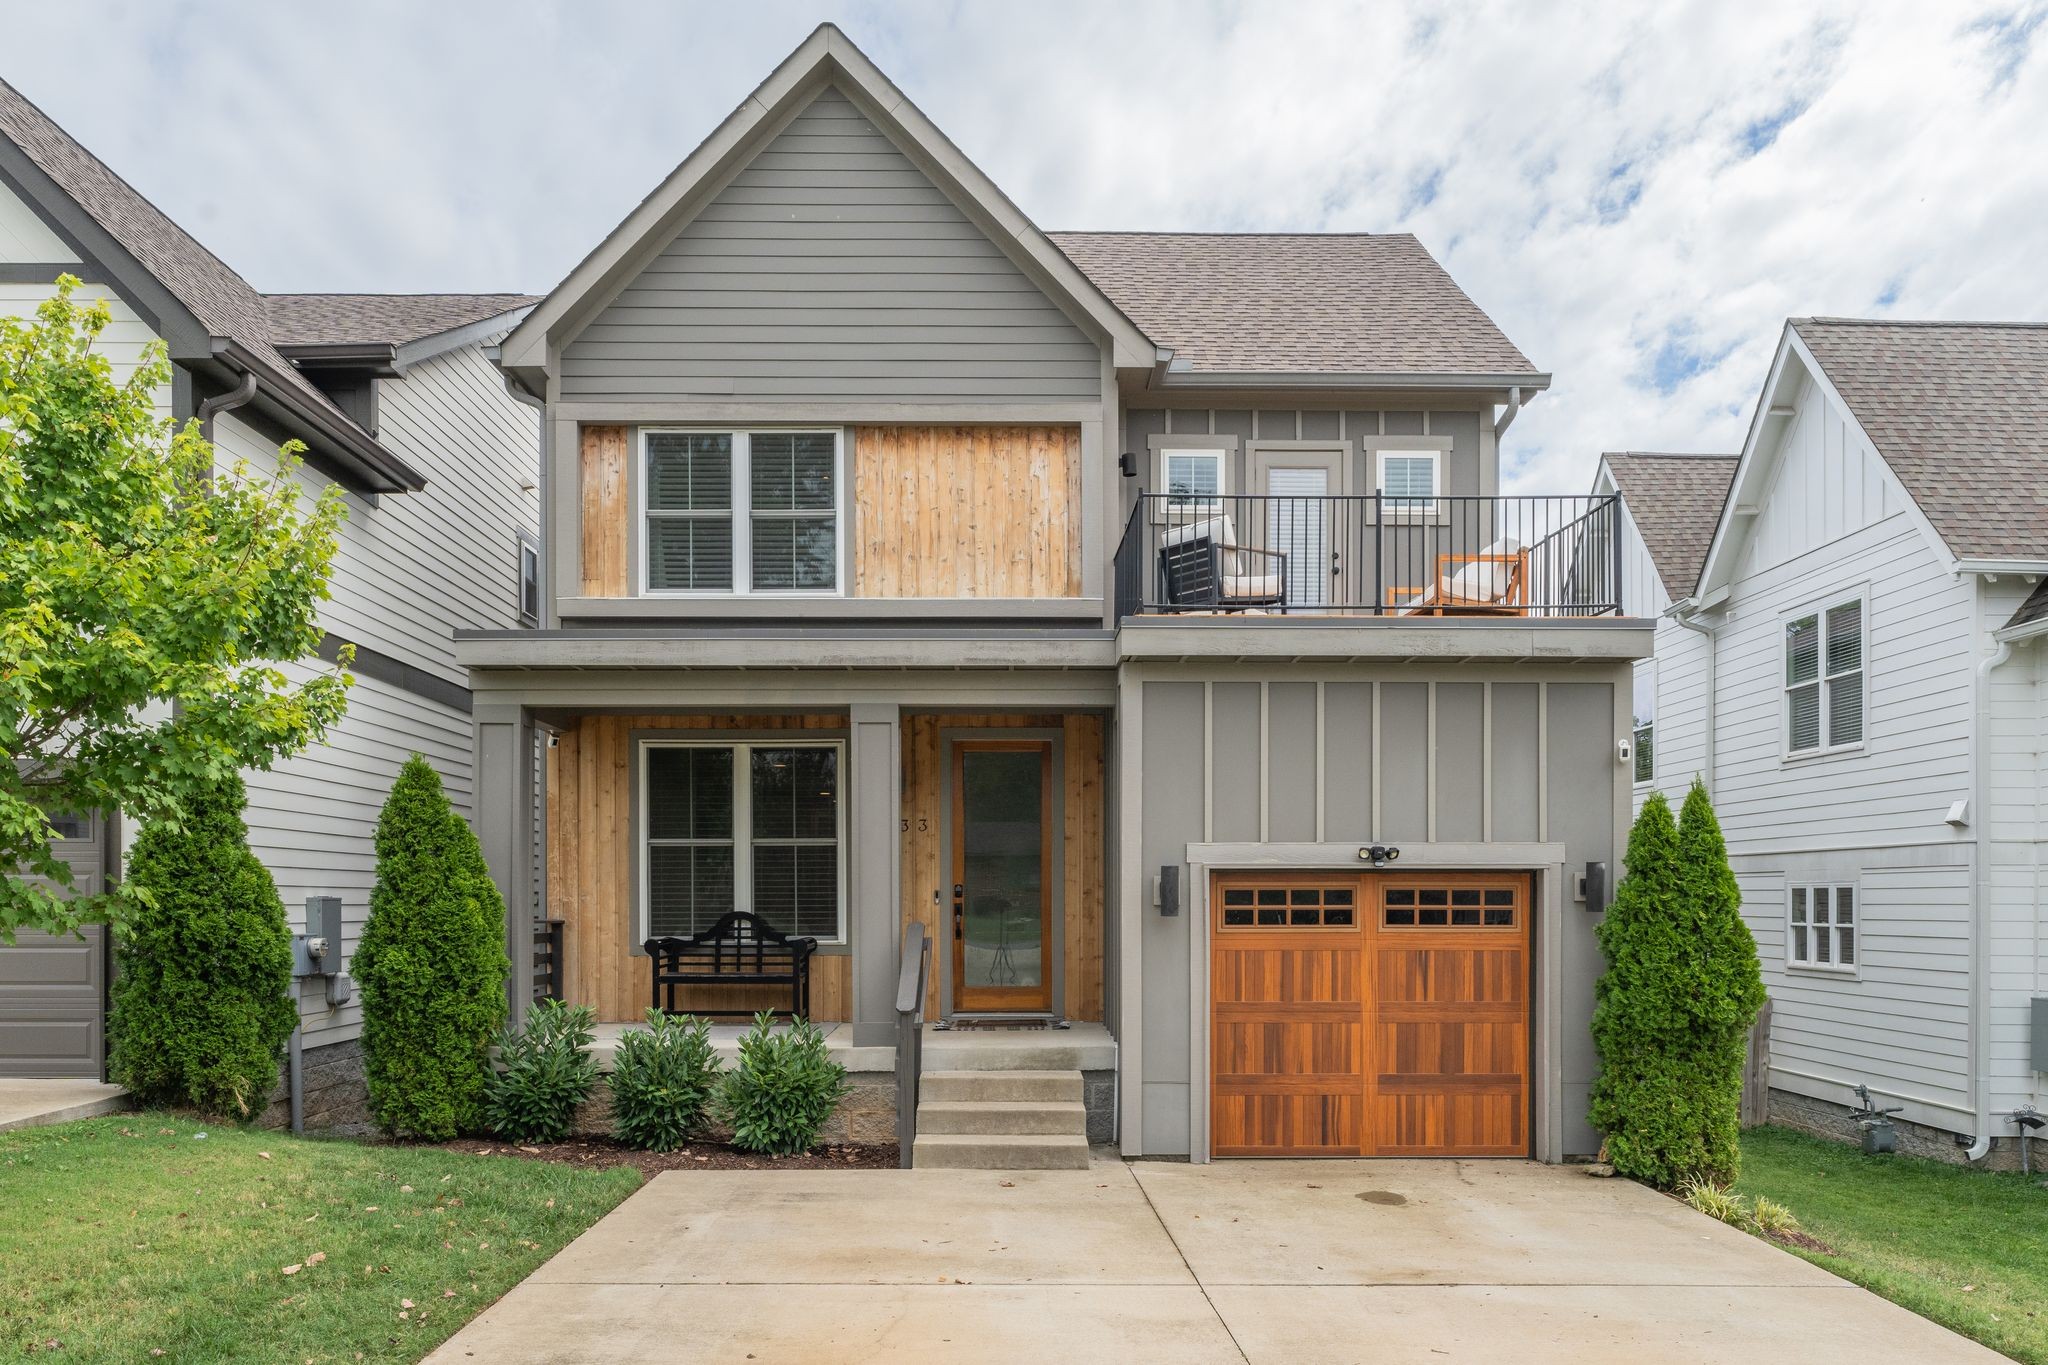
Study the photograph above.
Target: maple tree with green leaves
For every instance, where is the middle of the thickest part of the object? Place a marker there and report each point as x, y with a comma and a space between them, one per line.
147, 595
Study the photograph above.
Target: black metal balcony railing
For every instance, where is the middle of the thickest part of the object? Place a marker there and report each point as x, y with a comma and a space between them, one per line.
1370, 555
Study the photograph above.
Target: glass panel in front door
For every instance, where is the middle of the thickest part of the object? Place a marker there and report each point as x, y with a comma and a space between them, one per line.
1296, 524
1003, 865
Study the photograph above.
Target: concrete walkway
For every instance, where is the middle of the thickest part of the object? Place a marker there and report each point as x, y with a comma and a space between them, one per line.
1243, 1261
33, 1103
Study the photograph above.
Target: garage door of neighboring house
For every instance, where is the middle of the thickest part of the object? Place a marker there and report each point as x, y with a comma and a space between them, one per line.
53, 988
1369, 1014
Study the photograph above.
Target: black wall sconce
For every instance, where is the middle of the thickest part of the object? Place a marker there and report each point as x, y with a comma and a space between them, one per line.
1593, 887
1128, 464
1379, 855
1167, 895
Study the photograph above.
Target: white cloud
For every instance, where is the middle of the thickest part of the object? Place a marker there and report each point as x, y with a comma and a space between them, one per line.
1639, 196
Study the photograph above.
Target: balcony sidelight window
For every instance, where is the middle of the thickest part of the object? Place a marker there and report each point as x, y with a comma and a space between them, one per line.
742, 512
742, 827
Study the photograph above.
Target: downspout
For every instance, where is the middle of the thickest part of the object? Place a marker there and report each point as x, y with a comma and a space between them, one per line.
1980, 954
1683, 617
1507, 417
225, 402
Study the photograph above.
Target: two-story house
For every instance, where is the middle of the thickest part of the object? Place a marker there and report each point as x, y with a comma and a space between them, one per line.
1846, 656
398, 404
1137, 612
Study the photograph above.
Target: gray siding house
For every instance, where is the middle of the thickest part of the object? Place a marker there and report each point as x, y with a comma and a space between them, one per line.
1137, 613
1848, 655
400, 406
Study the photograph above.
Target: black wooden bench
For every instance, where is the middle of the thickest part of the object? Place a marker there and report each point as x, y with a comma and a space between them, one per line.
742, 949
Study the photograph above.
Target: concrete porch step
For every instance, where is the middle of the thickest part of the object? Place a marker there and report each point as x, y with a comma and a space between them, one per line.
988, 1152
1013, 1118
997, 1087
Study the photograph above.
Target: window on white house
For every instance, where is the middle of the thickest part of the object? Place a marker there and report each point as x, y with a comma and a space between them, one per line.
1821, 931
1193, 478
1824, 679
739, 511
1408, 480
743, 827
1645, 724
529, 580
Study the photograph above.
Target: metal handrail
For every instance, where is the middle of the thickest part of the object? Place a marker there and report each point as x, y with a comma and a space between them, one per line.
913, 978
1370, 555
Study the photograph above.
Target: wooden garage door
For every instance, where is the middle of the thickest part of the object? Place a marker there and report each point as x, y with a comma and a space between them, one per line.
1369, 1014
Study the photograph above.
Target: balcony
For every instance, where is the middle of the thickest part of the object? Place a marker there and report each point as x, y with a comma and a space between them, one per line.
1371, 555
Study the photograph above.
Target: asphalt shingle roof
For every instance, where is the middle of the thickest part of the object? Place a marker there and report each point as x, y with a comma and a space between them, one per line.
1307, 303
222, 300
1676, 502
1959, 410
379, 319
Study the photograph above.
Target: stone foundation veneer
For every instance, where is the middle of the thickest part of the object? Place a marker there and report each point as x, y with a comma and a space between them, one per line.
1826, 1119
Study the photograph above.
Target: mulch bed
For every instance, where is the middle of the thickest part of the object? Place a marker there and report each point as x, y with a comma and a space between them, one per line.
698, 1156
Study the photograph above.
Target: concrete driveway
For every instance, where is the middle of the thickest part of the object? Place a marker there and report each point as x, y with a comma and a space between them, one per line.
1240, 1261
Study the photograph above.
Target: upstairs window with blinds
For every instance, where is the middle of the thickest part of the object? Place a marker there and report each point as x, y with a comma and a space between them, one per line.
1821, 931
742, 827
1824, 679
1408, 480
742, 511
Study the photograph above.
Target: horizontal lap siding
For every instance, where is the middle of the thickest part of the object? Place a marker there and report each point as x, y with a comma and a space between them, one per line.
2016, 720
832, 267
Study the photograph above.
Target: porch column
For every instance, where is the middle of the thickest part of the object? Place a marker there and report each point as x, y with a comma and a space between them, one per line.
501, 812
875, 754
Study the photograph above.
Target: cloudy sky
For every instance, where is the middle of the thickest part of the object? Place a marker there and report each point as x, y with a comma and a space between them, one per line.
1639, 194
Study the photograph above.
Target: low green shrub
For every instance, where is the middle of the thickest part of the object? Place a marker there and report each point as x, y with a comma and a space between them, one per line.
784, 1088
663, 1081
545, 1071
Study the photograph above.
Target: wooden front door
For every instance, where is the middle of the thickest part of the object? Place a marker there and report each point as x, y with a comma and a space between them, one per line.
1002, 875
1369, 1014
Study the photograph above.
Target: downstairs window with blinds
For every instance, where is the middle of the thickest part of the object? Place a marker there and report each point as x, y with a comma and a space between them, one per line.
742, 827
1824, 679
741, 511
1821, 927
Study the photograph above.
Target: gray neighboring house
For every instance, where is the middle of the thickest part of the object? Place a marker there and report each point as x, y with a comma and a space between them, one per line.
1139, 613
399, 405
1848, 653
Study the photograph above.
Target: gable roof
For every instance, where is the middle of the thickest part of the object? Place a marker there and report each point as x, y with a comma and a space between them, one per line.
1959, 411
826, 57
317, 320
1298, 303
233, 316
1675, 502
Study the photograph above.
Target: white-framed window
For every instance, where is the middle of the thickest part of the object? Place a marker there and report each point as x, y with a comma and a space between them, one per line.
529, 579
1192, 479
1820, 927
1824, 677
758, 826
1408, 480
741, 511
1643, 742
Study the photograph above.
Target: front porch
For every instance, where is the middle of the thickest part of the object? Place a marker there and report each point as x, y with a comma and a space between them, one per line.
1078, 1047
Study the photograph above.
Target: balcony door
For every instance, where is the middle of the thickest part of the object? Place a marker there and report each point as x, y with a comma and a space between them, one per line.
1298, 485
1002, 875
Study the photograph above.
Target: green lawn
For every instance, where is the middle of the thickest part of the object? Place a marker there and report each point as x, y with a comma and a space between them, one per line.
134, 1238
1968, 1249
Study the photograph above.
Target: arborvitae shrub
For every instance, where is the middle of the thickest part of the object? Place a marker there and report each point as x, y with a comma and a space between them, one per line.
431, 965
662, 1082
1673, 1011
201, 1008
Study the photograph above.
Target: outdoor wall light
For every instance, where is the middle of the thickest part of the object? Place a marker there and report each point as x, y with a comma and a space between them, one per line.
1379, 855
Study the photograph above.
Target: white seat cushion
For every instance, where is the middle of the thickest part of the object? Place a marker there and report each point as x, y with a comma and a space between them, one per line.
1237, 585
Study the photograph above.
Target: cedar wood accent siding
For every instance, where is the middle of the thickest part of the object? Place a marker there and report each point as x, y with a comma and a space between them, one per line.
592, 864
967, 511
951, 511
831, 268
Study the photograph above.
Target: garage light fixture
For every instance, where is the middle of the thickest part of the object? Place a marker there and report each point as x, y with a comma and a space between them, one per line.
1379, 855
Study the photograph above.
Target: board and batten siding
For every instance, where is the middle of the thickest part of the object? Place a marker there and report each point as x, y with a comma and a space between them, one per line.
1343, 755
1467, 471
409, 571
830, 268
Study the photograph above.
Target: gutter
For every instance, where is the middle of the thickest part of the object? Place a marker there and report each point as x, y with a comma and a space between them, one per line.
1175, 376
1980, 919
1508, 416
234, 398
377, 469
